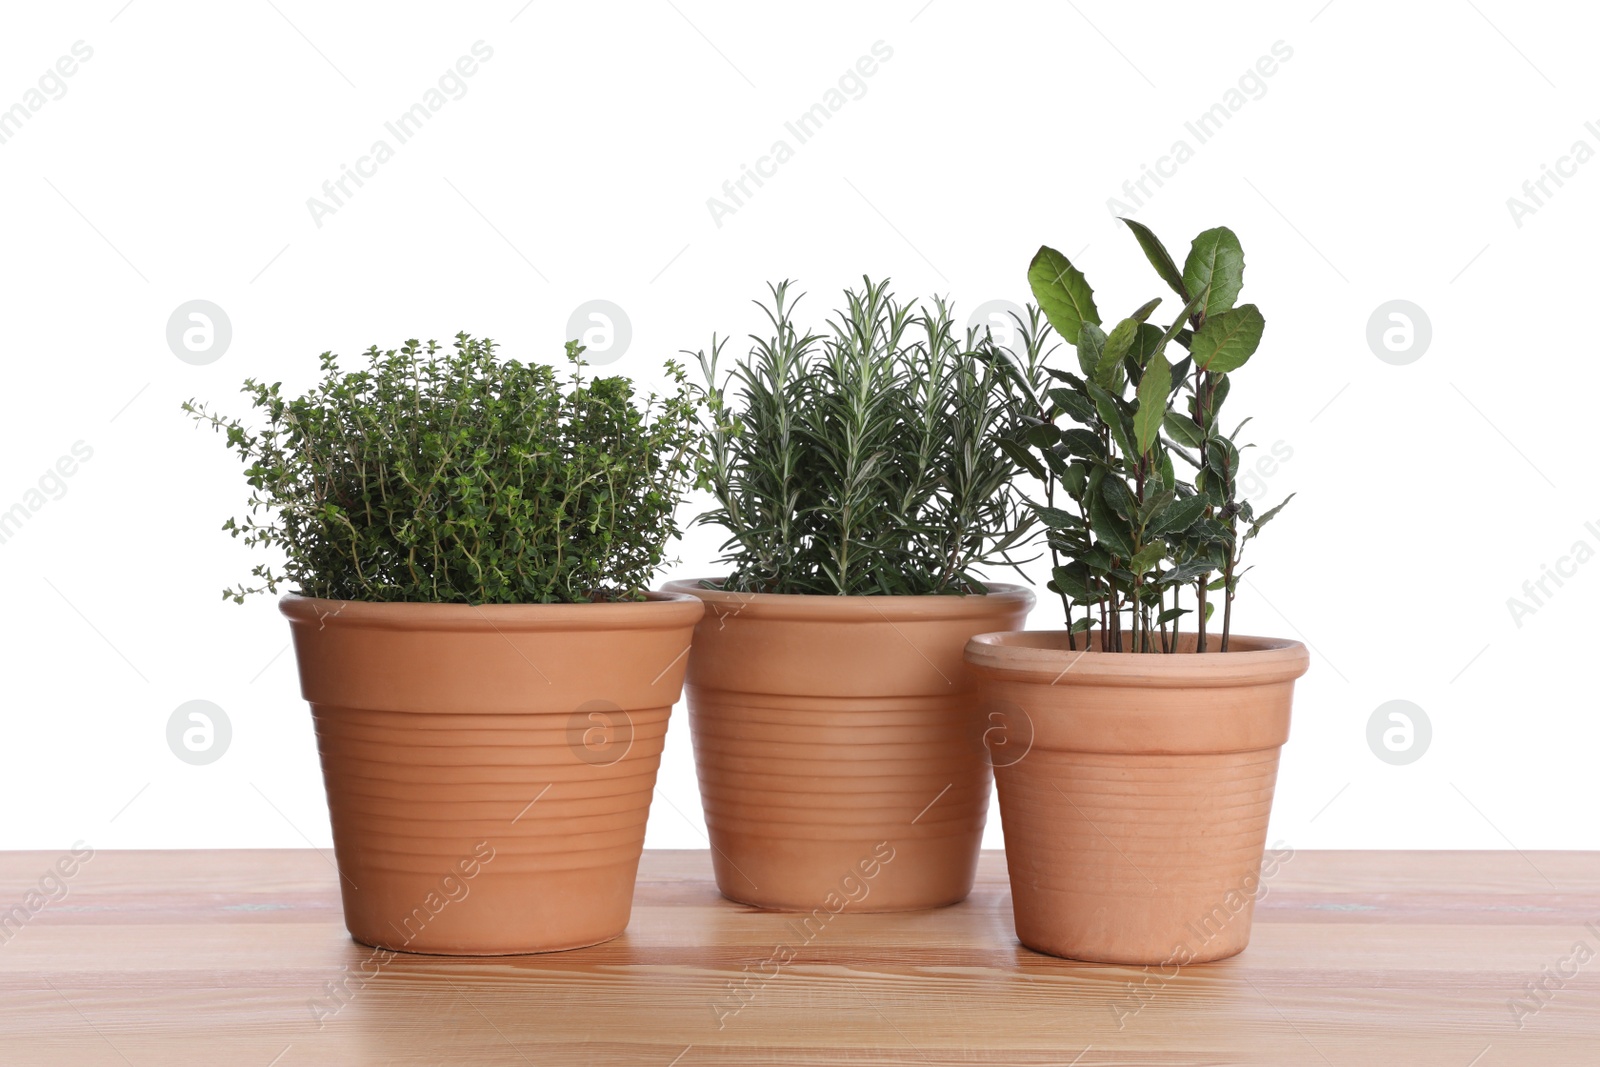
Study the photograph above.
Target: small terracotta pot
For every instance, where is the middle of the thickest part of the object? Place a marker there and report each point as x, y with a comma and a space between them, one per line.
1135, 790
489, 769
833, 737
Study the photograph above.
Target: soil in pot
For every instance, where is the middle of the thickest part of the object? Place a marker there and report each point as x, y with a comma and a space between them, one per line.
489, 769
1136, 790
835, 742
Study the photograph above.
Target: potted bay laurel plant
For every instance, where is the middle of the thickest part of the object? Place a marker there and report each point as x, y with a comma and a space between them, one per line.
468, 541
857, 474
1135, 819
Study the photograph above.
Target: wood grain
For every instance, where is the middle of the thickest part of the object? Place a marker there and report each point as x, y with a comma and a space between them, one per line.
216, 958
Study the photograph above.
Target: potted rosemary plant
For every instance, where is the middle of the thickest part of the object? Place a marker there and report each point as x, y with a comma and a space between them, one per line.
858, 474
468, 542
1136, 821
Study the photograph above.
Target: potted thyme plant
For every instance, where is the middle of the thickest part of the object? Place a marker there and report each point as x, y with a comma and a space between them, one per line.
1135, 824
858, 474
468, 542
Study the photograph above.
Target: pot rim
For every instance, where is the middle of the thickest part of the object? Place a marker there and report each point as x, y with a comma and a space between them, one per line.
1041, 656
1000, 599
659, 611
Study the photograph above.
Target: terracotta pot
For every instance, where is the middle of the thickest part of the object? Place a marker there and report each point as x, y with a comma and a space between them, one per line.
834, 742
489, 769
1136, 790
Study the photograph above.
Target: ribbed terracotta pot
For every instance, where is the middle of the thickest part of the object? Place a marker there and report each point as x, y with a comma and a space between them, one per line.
489, 769
834, 741
1135, 790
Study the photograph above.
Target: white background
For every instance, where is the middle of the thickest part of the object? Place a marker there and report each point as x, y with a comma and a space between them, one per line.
1375, 165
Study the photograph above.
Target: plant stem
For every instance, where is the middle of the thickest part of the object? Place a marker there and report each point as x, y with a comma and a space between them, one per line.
1203, 391
1227, 601
1166, 644
1055, 561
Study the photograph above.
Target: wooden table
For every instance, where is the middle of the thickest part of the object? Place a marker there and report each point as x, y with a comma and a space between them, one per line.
226, 958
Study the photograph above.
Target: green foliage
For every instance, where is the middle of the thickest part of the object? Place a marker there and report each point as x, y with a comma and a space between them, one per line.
1215, 266
1126, 533
1063, 293
452, 477
1228, 339
865, 459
